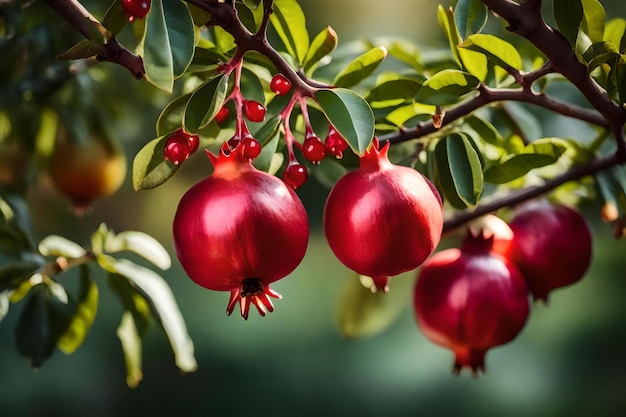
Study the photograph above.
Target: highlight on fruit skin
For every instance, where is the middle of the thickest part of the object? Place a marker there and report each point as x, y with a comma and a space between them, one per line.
382, 219
552, 246
239, 230
470, 300
86, 171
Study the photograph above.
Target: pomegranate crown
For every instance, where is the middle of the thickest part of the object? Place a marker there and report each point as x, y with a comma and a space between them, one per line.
477, 241
226, 158
375, 157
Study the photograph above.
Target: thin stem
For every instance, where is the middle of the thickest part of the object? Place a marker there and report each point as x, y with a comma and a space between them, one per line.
519, 196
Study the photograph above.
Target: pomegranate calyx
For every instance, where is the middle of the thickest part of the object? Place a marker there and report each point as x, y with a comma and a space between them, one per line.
474, 359
380, 284
252, 291
228, 162
477, 242
375, 158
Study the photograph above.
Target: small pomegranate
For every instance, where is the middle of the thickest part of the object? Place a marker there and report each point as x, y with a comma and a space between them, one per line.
295, 175
254, 111
240, 230
382, 219
313, 149
280, 85
470, 300
335, 144
551, 245
179, 146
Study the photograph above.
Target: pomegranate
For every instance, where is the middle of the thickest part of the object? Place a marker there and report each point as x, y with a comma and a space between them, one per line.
382, 219
136, 9
470, 300
240, 230
551, 245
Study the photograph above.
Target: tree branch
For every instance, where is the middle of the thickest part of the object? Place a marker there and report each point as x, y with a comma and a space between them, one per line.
85, 23
489, 95
519, 196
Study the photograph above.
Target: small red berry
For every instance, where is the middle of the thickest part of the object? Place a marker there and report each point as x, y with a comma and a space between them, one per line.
180, 145
136, 9
313, 149
221, 115
254, 111
335, 144
295, 175
251, 147
280, 85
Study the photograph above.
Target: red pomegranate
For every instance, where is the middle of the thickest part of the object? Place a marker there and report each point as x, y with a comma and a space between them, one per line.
552, 246
383, 219
470, 300
240, 230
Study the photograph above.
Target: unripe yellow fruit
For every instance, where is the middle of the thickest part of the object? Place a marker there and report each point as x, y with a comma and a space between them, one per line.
85, 172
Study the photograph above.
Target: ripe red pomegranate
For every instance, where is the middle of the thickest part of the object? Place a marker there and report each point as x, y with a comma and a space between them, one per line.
240, 230
551, 245
470, 300
382, 219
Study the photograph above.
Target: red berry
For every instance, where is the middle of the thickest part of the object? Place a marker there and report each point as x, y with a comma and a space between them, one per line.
470, 300
552, 246
240, 230
335, 144
382, 219
251, 147
295, 175
280, 85
136, 9
254, 111
222, 114
179, 146
313, 149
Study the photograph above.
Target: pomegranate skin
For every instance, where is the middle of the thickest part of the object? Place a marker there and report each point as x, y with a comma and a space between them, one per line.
239, 230
470, 300
552, 246
382, 219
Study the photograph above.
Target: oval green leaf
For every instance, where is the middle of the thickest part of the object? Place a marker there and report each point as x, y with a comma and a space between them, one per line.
495, 49
290, 23
54, 245
143, 245
204, 103
323, 44
568, 15
470, 17
446, 87
593, 20
459, 171
360, 67
350, 115
172, 116
84, 314
150, 169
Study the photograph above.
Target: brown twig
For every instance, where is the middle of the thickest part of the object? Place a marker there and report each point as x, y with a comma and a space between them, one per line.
85, 23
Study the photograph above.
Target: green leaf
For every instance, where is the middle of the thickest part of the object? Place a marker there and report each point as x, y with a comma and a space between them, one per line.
445, 17
485, 130
171, 118
130, 339
593, 20
115, 19
164, 307
599, 53
323, 44
470, 17
54, 245
290, 23
495, 49
459, 170
84, 315
394, 91
614, 31
350, 115
204, 103
363, 313
143, 245
268, 136
15, 273
537, 154
360, 68
168, 42
568, 15
132, 300
150, 169
446, 87
83, 49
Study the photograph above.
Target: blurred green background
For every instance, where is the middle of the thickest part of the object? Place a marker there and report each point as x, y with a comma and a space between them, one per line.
568, 361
